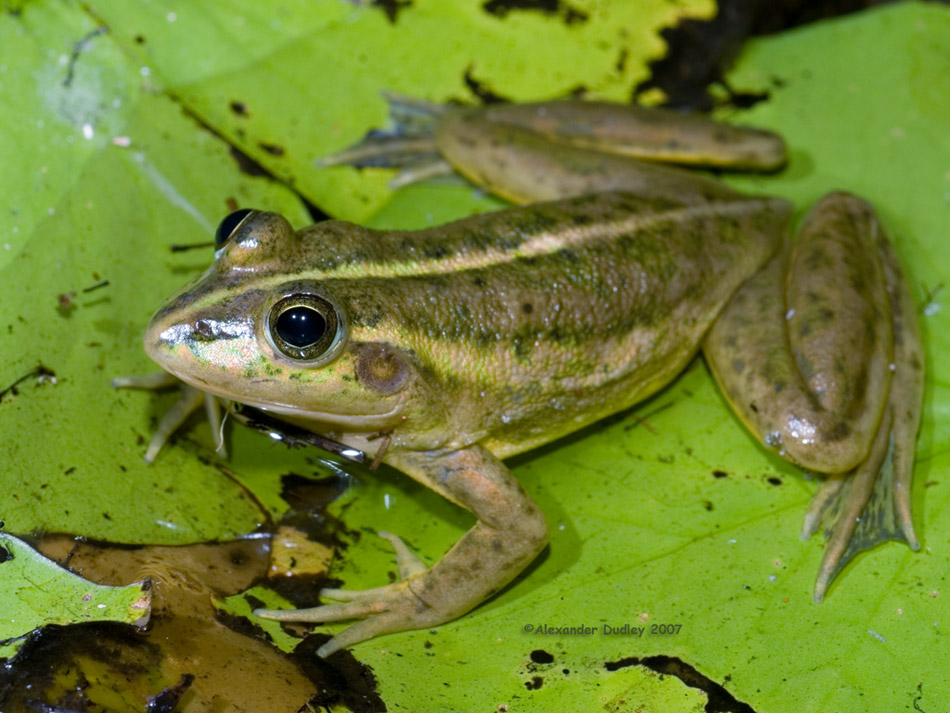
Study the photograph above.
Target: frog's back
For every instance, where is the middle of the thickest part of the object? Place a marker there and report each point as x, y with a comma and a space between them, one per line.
539, 320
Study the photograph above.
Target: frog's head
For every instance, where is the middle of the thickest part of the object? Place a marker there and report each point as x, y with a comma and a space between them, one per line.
258, 328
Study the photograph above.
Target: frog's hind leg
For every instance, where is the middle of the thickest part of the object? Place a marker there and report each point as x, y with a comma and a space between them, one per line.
873, 504
861, 509
547, 151
407, 144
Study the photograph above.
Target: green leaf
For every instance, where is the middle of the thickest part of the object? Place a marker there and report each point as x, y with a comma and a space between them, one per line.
310, 83
103, 176
35, 591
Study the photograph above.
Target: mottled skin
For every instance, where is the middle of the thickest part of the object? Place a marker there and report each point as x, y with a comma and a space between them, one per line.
836, 381
463, 344
514, 328
827, 341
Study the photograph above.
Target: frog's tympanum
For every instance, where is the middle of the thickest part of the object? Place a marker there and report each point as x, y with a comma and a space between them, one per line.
444, 351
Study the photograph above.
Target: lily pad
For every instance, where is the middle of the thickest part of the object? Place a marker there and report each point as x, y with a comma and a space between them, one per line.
35, 592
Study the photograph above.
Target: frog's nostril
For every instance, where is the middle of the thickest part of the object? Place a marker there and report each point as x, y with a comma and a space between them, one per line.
204, 330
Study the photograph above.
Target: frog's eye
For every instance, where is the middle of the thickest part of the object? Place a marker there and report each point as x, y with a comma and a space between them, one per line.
229, 225
303, 327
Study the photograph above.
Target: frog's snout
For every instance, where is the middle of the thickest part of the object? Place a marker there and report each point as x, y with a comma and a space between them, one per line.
180, 343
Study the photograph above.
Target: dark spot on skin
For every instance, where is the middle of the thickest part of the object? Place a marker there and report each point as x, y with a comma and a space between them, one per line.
772, 480
239, 108
522, 349
527, 308
839, 366
435, 252
541, 656
478, 281
707, 504
738, 365
534, 684
753, 408
497, 545
486, 338
838, 432
140, 39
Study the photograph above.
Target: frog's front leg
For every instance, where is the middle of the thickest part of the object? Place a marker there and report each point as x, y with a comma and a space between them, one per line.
189, 400
509, 534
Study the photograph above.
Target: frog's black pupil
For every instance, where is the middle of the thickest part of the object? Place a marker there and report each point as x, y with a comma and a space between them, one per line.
301, 326
227, 226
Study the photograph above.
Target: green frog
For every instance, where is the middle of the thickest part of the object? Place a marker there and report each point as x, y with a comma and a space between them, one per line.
443, 351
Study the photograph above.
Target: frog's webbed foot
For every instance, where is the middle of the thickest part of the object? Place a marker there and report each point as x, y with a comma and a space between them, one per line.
393, 607
860, 510
509, 533
408, 144
189, 401
872, 503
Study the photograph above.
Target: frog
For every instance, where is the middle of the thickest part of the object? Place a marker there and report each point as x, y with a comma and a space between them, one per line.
443, 351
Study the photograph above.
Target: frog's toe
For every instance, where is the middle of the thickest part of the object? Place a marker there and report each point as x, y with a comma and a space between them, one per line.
155, 380
408, 564
189, 401
383, 610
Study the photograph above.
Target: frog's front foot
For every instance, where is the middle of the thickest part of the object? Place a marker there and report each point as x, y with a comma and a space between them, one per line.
189, 400
510, 532
383, 610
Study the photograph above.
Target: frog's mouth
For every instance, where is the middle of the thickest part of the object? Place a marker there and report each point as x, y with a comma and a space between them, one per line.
318, 421
322, 421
